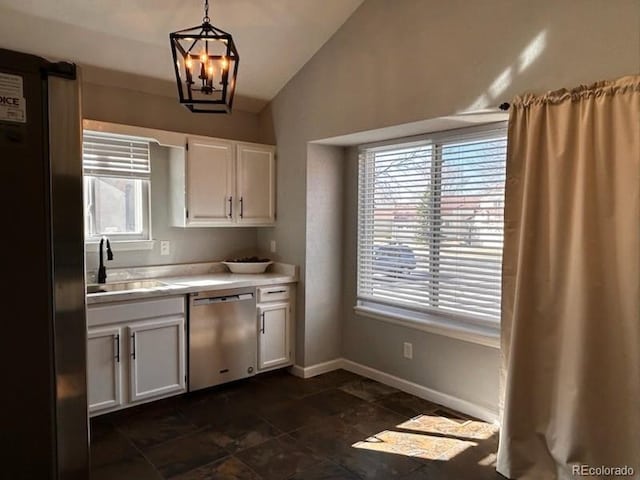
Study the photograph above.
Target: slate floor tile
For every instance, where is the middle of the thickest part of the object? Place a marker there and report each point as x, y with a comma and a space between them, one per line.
334, 379
325, 471
279, 458
157, 426
131, 468
338, 426
257, 394
290, 386
110, 446
292, 415
214, 410
229, 468
406, 404
375, 465
367, 389
329, 438
242, 432
185, 453
333, 401
369, 418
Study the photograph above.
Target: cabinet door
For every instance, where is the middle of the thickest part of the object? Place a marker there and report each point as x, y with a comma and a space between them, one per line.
209, 177
104, 368
256, 169
156, 358
273, 335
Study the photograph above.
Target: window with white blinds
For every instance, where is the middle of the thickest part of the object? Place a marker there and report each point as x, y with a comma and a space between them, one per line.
430, 224
117, 172
115, 155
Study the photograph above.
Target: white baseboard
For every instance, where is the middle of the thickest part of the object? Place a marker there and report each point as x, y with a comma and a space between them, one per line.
464, 406
444, 399
317, 369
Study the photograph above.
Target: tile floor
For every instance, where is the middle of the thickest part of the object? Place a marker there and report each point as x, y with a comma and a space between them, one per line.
276, 426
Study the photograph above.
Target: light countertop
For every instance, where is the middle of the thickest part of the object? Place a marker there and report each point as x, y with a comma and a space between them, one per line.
192, 283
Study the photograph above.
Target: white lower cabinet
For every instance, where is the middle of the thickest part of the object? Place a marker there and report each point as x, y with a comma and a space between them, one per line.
273, 339
274, 328
157, 358
104, 367
135, 352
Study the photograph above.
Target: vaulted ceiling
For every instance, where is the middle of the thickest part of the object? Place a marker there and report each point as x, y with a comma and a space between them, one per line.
275, 38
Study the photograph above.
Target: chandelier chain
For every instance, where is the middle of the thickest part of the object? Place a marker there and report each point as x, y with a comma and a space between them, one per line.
206, 18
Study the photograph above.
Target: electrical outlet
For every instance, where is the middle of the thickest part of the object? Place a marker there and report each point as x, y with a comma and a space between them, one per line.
408, 350
273, 246
165, 247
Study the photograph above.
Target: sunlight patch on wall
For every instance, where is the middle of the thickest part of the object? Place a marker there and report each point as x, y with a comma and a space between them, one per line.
532, 51
527, 57
501, 83
479, 103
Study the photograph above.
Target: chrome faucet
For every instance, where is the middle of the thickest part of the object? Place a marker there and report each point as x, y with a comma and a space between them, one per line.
102, 271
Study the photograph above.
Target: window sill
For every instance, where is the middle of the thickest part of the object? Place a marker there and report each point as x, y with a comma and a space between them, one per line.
122, 246
488, 336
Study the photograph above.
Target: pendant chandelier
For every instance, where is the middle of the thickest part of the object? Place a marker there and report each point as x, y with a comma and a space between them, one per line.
206, 65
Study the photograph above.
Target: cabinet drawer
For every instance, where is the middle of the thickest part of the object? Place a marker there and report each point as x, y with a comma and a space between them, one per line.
270, 294
108, 313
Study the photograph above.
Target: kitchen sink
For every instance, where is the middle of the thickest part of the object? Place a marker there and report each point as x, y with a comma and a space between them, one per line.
123, 286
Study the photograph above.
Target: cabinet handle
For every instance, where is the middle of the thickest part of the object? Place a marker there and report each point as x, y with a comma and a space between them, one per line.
133, 345
117, 337
262, 329
241, 207
275, 291
230, 207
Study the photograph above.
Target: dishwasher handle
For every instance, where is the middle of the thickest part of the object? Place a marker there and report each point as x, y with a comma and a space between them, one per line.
222, 299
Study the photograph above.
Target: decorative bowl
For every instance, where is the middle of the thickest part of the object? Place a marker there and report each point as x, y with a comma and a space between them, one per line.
247, 267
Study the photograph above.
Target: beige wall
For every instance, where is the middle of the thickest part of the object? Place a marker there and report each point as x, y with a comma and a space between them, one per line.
324, 241
147, 102
401, 61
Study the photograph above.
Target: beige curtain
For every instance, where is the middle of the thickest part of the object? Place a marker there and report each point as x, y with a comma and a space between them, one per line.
571, 283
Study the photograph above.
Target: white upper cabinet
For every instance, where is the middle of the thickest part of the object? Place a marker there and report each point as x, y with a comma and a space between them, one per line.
255, 173
209, 182
222, 183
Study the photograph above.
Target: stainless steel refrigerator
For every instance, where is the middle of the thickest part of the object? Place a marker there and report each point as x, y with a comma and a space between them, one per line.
44, 427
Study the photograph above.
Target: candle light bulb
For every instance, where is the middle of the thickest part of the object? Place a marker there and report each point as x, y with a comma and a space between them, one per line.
225, 63
187, 63
203, 58
211, 70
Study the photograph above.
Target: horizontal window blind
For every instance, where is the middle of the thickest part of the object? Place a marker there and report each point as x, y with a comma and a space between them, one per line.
115, 155
430, 224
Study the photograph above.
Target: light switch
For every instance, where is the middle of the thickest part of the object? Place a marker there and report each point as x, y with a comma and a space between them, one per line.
165, 247
273, 246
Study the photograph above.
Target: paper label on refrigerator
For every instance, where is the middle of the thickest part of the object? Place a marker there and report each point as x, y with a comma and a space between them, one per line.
13, 106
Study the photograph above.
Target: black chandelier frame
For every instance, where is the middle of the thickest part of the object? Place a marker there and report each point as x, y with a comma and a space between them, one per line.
207, 33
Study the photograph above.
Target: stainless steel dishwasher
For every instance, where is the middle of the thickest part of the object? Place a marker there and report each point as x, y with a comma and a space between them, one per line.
222, 337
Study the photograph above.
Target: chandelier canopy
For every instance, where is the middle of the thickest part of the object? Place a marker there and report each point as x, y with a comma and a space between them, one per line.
206, 66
